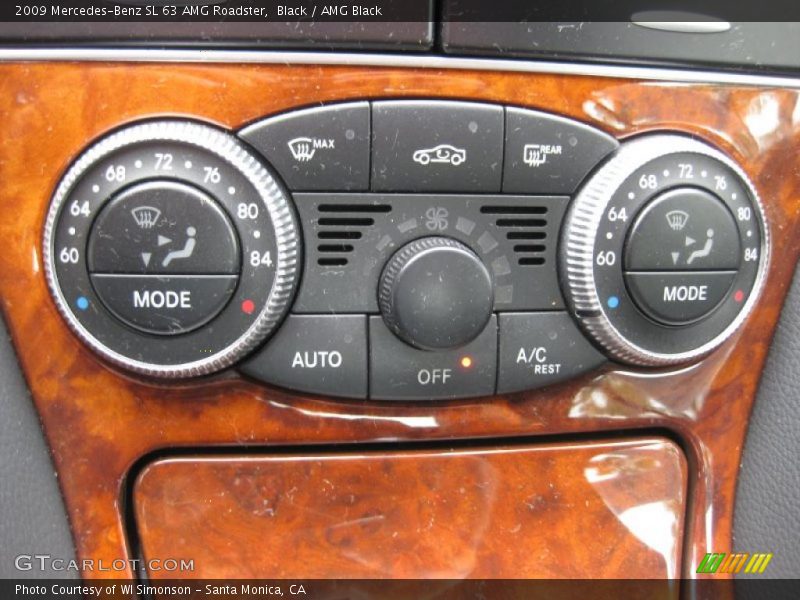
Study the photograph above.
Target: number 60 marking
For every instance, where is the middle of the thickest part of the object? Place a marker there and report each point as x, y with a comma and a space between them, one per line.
606, 259
69, 256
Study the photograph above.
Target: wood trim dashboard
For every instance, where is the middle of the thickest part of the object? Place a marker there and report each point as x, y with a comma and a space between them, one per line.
100, 421
488, 513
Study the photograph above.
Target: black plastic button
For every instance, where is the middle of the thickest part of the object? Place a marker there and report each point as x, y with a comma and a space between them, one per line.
538, 349
683, 229
320, 354
545, 154
318, 149
163, 227
675, 298
165, 305
436, 293
401, 372
429, 146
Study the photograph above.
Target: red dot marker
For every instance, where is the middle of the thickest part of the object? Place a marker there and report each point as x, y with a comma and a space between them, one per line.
248, 307
738, 296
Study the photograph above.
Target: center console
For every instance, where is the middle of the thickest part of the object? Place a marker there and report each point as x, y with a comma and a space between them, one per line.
291, 314
402, 249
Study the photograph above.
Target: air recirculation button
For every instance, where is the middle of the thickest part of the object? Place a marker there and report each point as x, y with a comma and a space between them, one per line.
163, 257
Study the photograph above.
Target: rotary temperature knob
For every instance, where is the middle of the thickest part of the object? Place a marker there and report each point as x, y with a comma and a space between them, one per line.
435, 293
171, 249
664, 251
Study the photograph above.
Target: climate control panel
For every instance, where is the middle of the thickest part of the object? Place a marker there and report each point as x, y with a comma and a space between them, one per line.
402, 250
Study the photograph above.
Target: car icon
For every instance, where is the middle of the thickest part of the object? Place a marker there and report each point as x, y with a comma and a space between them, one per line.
444, 153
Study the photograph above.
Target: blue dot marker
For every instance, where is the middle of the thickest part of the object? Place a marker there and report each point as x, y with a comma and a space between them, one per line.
613, 302
82, 303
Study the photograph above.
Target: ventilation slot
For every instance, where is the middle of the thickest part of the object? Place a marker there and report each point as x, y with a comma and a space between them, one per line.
331, 262
521, 222
526, 228
514, 210
340, 235
340, 226
346, 222
354, 208
526, 235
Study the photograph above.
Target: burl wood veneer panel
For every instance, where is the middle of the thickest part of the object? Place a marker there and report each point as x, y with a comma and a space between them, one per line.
100, 421
616, 508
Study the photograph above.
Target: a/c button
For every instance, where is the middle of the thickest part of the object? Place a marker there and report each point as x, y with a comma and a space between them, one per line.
320, 354
542, 348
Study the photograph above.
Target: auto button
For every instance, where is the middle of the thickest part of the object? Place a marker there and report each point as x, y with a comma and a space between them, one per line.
320, 354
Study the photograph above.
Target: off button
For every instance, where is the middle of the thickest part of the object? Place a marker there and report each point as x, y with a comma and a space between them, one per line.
165, 305
399, 371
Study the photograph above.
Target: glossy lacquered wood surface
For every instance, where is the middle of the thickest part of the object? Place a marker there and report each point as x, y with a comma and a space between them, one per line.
483, 513
100, 421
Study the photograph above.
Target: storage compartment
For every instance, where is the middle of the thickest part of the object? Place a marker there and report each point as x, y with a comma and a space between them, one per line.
612, 509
